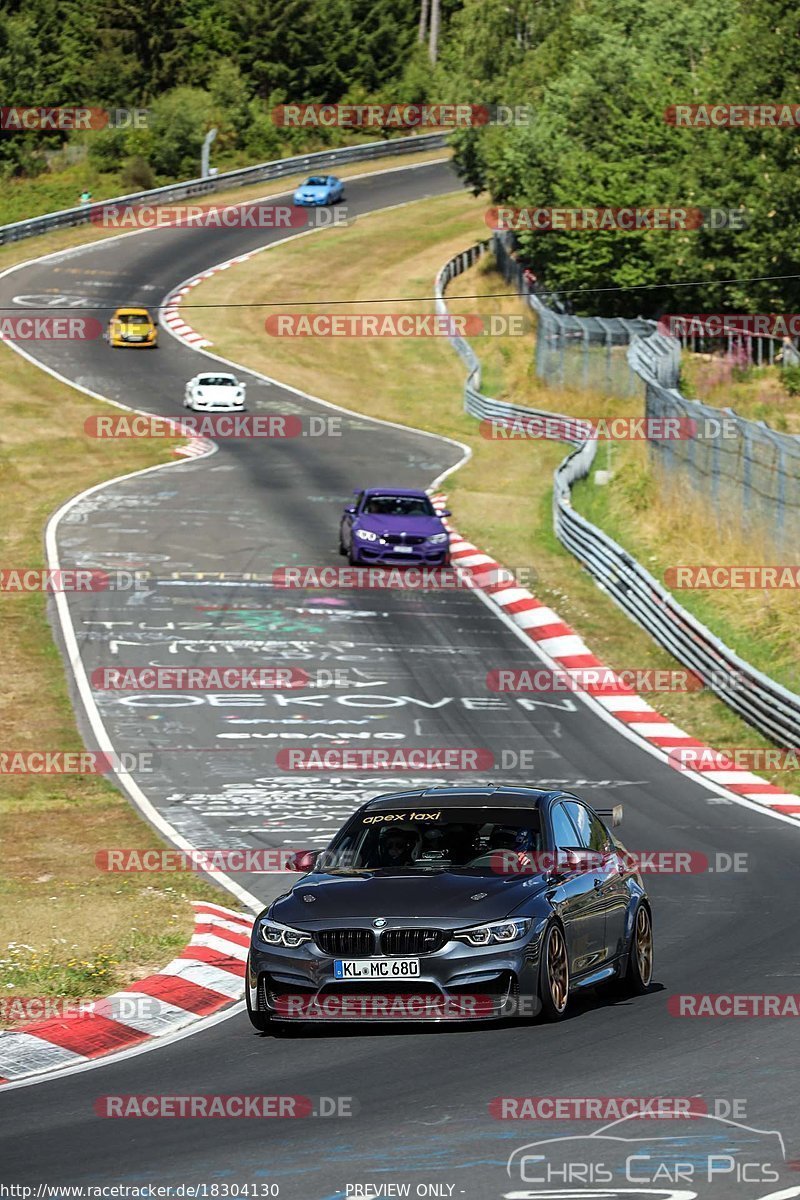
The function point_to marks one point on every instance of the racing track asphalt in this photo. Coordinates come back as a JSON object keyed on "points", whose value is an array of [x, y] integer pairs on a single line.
{"points": [[421, 1097]]}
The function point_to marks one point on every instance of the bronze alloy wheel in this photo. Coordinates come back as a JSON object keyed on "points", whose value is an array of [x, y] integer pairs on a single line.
{"points": [[557, 971], [643, 945]]}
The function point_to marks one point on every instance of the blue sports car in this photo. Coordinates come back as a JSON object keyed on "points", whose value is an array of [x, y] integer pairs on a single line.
{"points": [[319, 189], [394, 525]]}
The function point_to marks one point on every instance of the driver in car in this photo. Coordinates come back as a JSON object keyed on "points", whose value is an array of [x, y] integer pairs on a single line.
{"points": [[513, 846], [396, 848]]}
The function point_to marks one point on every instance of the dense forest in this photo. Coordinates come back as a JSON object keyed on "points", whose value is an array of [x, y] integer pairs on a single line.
{"points": [[597, 74]]}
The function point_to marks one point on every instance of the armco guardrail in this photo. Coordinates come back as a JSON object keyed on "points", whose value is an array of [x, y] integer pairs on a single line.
{"points": [[82, 215], [764, 704]]}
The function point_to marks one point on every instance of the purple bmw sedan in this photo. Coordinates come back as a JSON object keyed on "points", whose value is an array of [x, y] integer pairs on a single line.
{"points": [[394, 525]]}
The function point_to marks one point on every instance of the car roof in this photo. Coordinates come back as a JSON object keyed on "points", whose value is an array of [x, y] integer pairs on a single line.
{"points": [[215, 375], [395, 491], [133, 309], [466, 797]]}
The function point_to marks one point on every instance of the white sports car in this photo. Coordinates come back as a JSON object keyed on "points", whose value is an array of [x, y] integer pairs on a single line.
{"points": [[214, 393]]}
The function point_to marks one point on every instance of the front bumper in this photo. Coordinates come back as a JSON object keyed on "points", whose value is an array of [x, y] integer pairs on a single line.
{"points": [[311, 202], [458, 982], [127, 344], [215, 405], [371, 552]]}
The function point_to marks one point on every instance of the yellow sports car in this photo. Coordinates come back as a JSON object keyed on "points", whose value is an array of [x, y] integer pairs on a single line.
{"points": [[132, 327]]}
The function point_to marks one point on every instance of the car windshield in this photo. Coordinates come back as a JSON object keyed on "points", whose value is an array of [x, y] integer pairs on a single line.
{"points": [[425, 839], [133, 318], [216, 381], [316, 181], [399, 506]]}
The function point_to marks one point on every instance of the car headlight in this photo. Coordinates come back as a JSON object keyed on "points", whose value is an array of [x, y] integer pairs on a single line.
{"points": [[495, 933], [438, 538], [367, 535], [275, 934]]}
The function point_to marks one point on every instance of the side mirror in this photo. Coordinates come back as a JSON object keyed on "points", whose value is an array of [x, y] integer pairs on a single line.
{"points": [[303, 861], [445, 513], [351, 508], [614, 815], [574, 860], [578, 858]]}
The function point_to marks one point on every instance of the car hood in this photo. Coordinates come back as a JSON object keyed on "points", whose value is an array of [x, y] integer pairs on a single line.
{"points": [[216, 392], [415, 896], [417, 526], [313, 191], [138, 326]]}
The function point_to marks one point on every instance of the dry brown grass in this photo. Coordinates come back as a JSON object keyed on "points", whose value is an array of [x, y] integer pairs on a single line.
{"points": [[757, 394], [52, 896]]}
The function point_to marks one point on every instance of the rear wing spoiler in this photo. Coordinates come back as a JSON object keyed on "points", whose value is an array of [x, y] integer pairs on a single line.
{"points": [[614, 815]]}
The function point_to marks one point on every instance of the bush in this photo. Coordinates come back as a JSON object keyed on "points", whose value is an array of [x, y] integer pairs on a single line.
{"points": [[137, 175], [107, 148], [179, 120], [790, 378]]}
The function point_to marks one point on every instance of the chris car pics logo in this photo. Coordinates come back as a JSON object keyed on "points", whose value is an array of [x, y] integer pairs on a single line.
{"points": [[708, 1156]]}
